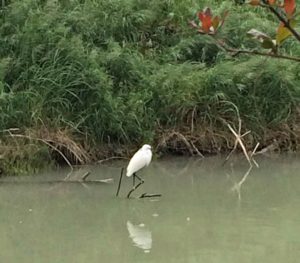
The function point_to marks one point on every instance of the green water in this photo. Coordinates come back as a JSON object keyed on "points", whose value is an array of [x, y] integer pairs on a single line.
{"points": [[197, 219]]}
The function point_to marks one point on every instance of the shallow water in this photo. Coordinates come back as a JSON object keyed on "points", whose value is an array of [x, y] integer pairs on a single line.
{"points": [[197, 219]]}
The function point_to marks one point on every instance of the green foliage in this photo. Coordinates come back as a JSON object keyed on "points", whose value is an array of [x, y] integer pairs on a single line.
{"points": [[114, 71], [264, 91]]}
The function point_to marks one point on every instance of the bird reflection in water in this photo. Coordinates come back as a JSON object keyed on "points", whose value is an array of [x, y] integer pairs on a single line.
{"points": [[140, 235]]}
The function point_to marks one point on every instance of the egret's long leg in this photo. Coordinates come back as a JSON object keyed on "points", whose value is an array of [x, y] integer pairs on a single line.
{"points": [[135, 186], [141, 180]]}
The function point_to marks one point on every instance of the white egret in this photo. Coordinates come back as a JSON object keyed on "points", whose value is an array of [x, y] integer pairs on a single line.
{"points": [[139, 160]]}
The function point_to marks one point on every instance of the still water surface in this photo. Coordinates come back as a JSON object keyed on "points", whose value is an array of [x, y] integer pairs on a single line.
{"points": [[197, 219]]}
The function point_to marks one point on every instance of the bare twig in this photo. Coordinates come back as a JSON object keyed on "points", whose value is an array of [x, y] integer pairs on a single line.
{"points": [[188, 143], [10, 130], [196, 150], [238, 139], [68, 176], [145, 195], [85, 176], [250, 159], [253, 153], [182, 137], [99, 181], [236, 52], [269, 148]]}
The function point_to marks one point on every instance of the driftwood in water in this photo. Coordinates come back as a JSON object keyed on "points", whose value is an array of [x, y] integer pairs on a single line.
{"points": [[100, 181], [67, 179], [145, 195], [83, 178]]}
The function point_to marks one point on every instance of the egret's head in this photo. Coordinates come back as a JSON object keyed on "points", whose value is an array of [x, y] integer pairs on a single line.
{"points": [[146, 147]]}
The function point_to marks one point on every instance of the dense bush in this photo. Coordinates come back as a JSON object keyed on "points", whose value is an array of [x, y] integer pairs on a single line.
{"points": [[115, 71]]}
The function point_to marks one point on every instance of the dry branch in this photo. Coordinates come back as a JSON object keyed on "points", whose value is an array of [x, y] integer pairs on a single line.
{"points": [[238, 141], [188, 143], [85, 176], [236, 52], [253, 153], [99, 181]]}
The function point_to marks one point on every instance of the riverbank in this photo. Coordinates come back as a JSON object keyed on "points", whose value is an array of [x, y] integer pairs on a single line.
{"points": [[83, 81]]}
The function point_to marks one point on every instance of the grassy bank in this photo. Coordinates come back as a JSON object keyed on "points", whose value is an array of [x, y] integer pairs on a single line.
{"points": [[91, 79]]}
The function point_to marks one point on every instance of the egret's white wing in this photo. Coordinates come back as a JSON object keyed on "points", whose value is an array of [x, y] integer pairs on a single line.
{"points": [[137, 162]]}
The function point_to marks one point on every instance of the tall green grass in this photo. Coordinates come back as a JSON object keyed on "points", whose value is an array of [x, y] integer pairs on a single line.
{"points": [[117, 71]]}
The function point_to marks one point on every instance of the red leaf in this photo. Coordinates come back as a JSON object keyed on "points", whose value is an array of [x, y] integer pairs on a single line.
{"points": [[206, 21], [208, 24], [289, 7]]}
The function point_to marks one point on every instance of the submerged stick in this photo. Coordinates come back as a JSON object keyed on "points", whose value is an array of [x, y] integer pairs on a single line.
{"points": [[101, 181], [119, 186], [135, 186], [85, 176], [145, 195]]}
